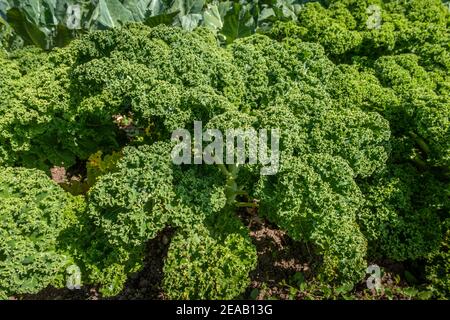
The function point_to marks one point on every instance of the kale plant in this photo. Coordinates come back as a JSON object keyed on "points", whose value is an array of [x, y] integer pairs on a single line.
{"points": [[360, 109]]}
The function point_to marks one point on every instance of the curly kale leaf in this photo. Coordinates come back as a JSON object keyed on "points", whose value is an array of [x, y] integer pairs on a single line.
{"points": [[34, 214]]}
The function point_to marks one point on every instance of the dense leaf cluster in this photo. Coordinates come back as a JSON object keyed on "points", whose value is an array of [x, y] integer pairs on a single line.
{"points": [[364, 145], [54, 23], [405, 47], [34, 214]]}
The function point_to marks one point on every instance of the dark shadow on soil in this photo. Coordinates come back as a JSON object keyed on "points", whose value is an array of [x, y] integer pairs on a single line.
{"points": [[145, 284], [279, 260], [279, 257]]}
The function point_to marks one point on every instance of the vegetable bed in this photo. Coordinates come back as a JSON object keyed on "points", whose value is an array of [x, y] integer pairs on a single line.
{"points": [[343, 192]]}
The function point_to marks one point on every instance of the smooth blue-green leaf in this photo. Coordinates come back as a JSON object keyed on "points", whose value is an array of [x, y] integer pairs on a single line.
{"points": [[4, 6], [111, 14], [156, 7], [138, 8], [190, 21], [212, 18], [238, 23], [166, 19], [28, 31], [187, 6]]}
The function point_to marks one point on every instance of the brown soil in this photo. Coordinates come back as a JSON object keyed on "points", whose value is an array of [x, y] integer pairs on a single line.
{"points": [[279, 259]]}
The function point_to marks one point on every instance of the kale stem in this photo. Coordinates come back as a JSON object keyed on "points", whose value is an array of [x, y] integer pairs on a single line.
{"points": [[419, 162], [246, 204], [224, 170], [420, 142], [241, 193]]}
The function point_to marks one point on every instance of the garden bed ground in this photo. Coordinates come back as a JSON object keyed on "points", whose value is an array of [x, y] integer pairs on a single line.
{"points": [[280, 260]]}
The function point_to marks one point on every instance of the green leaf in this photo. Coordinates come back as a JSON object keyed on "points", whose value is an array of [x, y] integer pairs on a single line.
{"points": [[63, 36], [156, 7], [425, 295], [166, 19], [4, 6], [190, 21], [388, 293], [186, 7], [254, 294], [290, 9], [344, 288], [238, 23], [410, 292], [303, 286], [139, 8], [111, 14], [266, 14], [28, 31], [212, 18], [410, 278], [61, 9], [292, 293], [298, 278], [32, 10], [28, 260], [47, 14]]}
